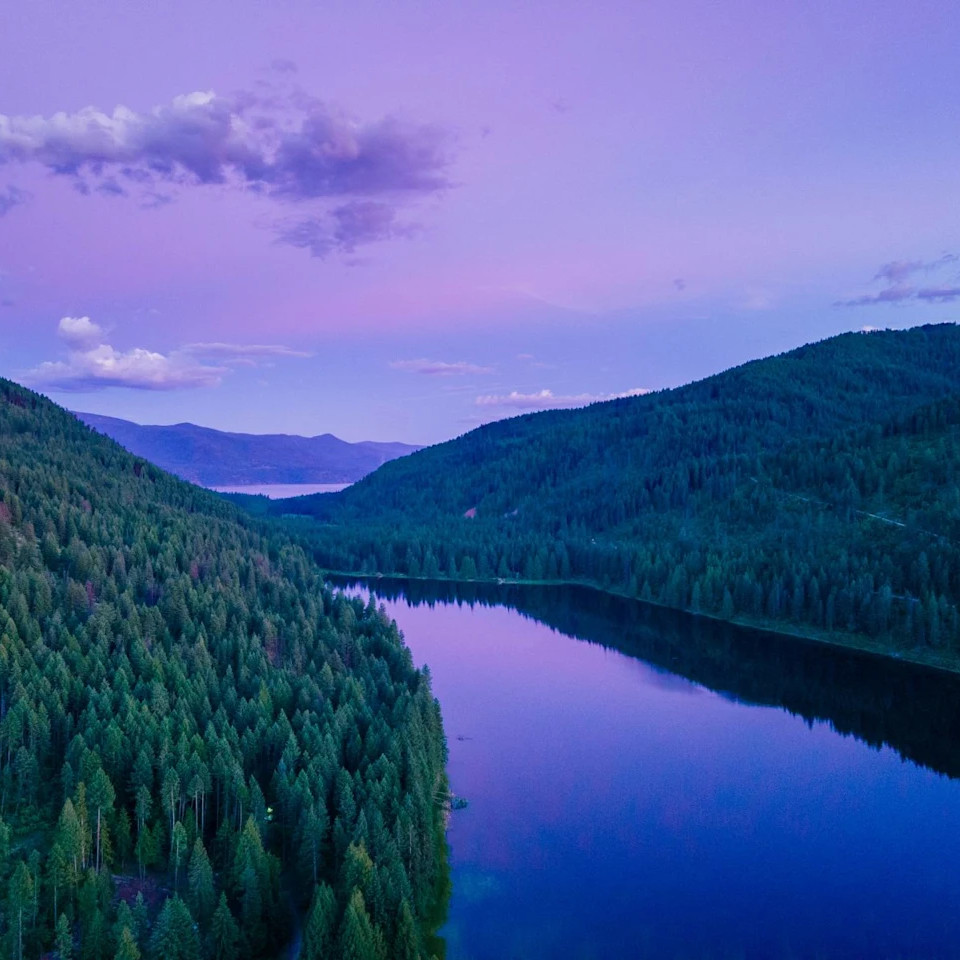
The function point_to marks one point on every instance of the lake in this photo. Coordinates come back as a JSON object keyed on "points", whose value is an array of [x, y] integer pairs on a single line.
{"points": [[279, 491], [647, 784]]}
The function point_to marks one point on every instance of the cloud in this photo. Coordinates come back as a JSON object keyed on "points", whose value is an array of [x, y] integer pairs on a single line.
{"points": [[290, 147], [938, 294], [530, 359], [896, 273], [547, 400], [344, 228], [757, 299], [282, 65], [440, 368], [12, 197], [79, 332], [894, 294], [92, 364], [242, 350], [102, 366], [679, 284]]}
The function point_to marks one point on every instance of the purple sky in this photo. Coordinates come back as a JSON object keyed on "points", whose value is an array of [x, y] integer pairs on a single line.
{"points": [[395, 221]]}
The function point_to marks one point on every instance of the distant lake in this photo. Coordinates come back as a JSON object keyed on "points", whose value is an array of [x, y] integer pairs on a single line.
{"points": [[647, 784], [279, 491]]}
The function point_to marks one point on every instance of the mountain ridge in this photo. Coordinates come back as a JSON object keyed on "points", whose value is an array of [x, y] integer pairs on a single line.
{"points": [[213, 457]]}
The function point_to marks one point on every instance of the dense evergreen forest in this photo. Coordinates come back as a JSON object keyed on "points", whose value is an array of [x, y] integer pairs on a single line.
{"points": [[816, 491], [204, 752]]}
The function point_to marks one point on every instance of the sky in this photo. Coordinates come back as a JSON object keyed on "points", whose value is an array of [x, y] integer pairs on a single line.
{"points": [[395, 221]]}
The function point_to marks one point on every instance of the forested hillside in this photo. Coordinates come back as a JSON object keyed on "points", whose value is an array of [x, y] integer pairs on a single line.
{"points": [[818, 490], [204, 753]]}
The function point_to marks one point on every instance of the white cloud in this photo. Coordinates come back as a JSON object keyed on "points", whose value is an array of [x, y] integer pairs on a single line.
{"points": [[440, 368], [548, 400], [79, 331], [92, 364], [102, 366]]}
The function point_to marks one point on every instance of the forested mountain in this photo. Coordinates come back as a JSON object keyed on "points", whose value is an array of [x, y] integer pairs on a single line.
{"points": [[204, 753], [817, 490], [216, 458]]}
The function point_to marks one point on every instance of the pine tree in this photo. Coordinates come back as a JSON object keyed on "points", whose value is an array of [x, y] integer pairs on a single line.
{"points": [[141, 918], [320, 931], [127, 948], [178, 852], [58, 874], [174, 936], [406, 942], [100, 796], [224, 932], [359, 938], [202, 894], [20, 905], [64, 938]]}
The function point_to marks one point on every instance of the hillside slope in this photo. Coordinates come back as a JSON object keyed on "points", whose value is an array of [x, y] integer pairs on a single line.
{"points": [[188, 713], [816, 489], [217, 458]]}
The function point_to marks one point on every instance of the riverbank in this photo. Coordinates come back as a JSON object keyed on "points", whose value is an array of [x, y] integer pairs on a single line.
{"points": [[930, 659]]}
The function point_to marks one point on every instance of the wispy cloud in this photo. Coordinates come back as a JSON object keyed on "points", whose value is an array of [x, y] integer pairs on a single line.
{"points": [[281, 65], [897, 275], [895, 294], [344, 228], [93, 364], [548, 400], [351, 176], [12, 197], [943, 294], [440, 368], [532, 361], [756, 298], [896, 271], [244, 350]]}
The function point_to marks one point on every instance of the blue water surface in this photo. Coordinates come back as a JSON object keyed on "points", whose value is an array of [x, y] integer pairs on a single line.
{"points": [[618, 809]]}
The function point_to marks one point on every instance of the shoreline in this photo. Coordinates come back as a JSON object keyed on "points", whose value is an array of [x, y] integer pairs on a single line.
{"points": [[853, 642]]}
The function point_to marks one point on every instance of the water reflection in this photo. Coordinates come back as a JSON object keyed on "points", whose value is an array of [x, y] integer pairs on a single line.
{"points": [[911, 708], [647, 784]]}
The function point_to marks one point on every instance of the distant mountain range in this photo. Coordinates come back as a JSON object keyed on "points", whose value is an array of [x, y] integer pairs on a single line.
{"points": [[214, 458]]}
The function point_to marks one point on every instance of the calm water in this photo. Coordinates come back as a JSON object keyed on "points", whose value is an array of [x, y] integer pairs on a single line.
{"points": [[278, 491], [643, 784]]}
